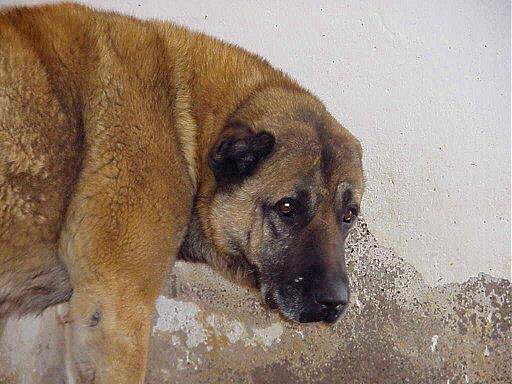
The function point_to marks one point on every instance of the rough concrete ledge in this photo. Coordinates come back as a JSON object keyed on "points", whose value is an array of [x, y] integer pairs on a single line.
{"points": [[398, 330]]}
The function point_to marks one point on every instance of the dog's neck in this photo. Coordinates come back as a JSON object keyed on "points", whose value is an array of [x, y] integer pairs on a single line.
{"points": [[197, 248]]}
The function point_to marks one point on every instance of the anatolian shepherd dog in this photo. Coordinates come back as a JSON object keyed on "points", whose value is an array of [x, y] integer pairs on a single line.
{"points": [[126, 144]]}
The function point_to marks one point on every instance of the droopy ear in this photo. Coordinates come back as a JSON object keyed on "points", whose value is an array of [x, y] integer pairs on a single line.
{"points": [[237, 153]]}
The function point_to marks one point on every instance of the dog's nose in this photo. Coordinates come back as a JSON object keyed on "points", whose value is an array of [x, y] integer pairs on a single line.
{"points": [[332, 304], [333, 301], [333, 294]]}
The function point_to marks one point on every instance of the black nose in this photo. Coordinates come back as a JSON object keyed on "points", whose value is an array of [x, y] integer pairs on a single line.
{"points": [[332, 304], [333, 294], [333, 300]]}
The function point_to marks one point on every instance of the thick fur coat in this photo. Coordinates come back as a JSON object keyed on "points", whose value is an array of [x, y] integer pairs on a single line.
{"points": [[123, 141]]}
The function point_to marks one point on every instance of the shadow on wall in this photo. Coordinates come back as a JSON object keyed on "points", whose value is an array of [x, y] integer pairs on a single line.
{"points": [[398, 330]]}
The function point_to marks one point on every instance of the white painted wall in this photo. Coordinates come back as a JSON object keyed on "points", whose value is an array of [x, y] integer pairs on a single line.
{"points": [[424, 84]]}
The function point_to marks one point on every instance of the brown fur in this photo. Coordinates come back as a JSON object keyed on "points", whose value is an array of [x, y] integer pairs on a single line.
{"points": [[106, 125]]}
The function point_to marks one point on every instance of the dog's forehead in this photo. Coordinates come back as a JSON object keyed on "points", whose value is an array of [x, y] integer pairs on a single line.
{"points": [[318, 151], [341, 152]]}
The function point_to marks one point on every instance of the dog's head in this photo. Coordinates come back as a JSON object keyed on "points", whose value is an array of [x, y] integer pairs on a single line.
{"points": [[288, 187]]}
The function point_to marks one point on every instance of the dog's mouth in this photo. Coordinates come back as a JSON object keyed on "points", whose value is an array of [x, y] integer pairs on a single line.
{"points": [[294, 302], [296, 308], [267, 293], [270, 300]]}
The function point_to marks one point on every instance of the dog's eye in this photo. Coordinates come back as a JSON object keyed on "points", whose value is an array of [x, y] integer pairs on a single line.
{"points": [[286, 207], [349, 215]]}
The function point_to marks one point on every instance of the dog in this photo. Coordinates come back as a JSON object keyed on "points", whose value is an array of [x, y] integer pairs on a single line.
{"points": [[127, 144]]}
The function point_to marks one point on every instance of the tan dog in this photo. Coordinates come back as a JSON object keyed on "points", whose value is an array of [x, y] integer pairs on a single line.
{"points": [[125, 144]]}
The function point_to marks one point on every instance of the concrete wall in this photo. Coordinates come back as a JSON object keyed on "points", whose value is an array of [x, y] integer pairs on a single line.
{"points": [[426, 86]]}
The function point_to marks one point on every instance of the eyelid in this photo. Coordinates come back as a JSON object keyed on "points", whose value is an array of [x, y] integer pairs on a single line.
{"points": [[355, 207], [288, 199]]}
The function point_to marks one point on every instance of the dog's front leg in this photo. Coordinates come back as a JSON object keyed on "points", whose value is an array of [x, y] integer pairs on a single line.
{"points": [[107, 345], [120, 237]]}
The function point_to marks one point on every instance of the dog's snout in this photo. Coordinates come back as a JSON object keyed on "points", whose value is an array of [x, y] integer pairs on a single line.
{"points": [[332, 303], [324, 294], [333, 299], [334, 295]]}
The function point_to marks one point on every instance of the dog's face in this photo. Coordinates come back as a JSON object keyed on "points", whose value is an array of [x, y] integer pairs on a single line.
{"points": [[289, 186]]}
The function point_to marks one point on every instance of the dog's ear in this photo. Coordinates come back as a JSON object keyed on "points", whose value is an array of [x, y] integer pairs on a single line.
{"points": [[237, 152]]}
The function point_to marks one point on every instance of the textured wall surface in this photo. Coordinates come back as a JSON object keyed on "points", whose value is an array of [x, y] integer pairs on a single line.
{"points": [[426, 87]]}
